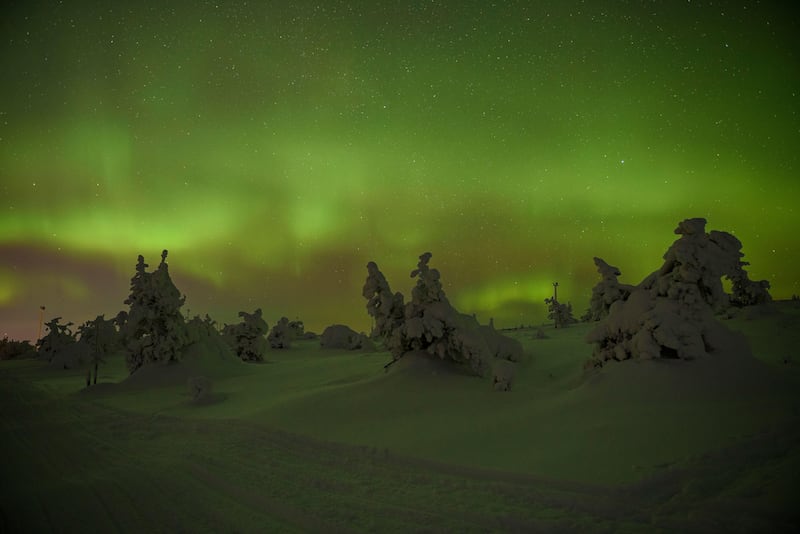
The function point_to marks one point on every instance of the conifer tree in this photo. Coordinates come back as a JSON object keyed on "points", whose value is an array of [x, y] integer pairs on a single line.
{"points": [[247, 338], [155, 330], [281, 335], [97, 337], [386, 308], [672, 312], [560, 314], [429, 323], [58, 337]]}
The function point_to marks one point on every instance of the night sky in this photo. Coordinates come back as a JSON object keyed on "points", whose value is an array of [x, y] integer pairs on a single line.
{"points": [[274, 148]]}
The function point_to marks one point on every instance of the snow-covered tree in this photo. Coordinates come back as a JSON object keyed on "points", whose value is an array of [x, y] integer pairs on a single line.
{"points": [[200, 329], [297, 328], [670, 314], [281, 335], [247, 338], [746, 292], [98, 337], [560, 314], [13, 349], [429, 323], [58, 338], [386, 308], [155, 330], [606, 292]]}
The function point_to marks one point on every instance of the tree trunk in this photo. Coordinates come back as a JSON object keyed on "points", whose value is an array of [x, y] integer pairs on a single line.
{"points": [[386, 367]]}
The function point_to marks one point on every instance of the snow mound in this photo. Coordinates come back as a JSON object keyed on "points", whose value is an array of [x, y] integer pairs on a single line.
{"points": [[210, 357]]}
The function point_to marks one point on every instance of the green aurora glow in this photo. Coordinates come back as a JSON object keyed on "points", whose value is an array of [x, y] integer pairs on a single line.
{"points": [[275, 150]]}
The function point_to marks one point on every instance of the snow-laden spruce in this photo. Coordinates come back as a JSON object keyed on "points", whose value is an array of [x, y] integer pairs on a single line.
{"points": [[671, 313], [431, 325], [155, 330]]}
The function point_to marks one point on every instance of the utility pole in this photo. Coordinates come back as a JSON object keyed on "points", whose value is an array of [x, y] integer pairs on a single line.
{"points": [[96, 346], [556, 311], [41, 321]]}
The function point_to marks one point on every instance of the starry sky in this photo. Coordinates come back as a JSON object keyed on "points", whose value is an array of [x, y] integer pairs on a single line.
{"points": [[274, 148]]}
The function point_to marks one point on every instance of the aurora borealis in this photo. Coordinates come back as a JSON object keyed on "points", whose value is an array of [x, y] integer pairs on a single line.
{"points": [[274, 148]]}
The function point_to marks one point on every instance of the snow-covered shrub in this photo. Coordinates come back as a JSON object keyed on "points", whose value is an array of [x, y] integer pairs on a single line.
{"points": [[247, 337], [503, 374], [746, 292], [200, 388]]}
